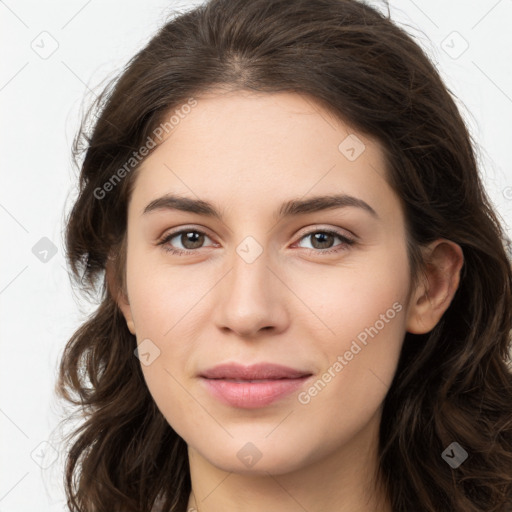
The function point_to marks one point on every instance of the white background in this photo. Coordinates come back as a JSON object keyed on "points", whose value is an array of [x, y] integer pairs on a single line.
{"points": [[41, 101]]}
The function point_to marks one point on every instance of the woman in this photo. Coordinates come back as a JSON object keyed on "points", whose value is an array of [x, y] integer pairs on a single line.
{"points": [[306, 299]]}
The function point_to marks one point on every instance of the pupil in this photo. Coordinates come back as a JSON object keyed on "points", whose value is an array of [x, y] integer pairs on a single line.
{"points": [[189, 238], [318, 238]]}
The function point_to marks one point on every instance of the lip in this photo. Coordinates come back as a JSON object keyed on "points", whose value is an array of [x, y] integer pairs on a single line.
{"points": [[258, 371], [253, 386]]}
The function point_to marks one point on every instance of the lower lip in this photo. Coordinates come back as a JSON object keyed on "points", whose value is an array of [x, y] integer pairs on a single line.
{"points": [[251, 395]]}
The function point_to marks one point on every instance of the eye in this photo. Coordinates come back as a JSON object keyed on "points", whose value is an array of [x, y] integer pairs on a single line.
{"points": [[322, 240], [189, 238]]}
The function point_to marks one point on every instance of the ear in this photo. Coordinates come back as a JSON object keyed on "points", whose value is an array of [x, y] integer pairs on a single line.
{"points": [[433, 295], [118, 294]]}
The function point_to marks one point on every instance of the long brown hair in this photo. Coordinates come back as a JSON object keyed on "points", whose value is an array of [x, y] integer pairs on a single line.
{"points": [[453, 384]]}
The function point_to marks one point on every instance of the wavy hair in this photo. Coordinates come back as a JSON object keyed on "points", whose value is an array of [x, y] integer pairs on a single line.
{"points": [[453, 384]]}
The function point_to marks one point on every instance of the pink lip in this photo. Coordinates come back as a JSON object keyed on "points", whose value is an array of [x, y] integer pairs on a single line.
{"points": [[254, 386]]}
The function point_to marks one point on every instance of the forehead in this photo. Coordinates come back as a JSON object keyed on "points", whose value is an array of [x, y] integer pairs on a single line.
{"points": [[251, 148]]}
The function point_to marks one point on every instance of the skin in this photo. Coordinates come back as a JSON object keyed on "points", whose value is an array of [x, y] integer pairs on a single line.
{"points": [[248, 153]]}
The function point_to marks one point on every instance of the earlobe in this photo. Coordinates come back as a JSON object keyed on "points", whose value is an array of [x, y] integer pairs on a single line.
{"points": [[124, 306], [131, 326], [118, 295], [434, 294]]}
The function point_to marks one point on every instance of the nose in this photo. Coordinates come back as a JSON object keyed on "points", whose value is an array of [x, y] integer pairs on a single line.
{"points": [[251, 299]]}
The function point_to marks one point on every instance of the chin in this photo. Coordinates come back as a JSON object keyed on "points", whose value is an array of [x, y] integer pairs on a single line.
{"points": [[258, 457]]}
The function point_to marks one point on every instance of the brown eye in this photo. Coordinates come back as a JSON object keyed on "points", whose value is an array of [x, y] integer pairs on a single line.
{"points": [[190, 239], [322, 240]]}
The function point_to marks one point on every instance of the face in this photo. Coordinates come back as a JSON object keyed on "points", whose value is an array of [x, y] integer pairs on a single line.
{"points": [[321, 290]]}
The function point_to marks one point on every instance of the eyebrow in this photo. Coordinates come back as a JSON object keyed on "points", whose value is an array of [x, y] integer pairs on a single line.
{"points": [[289, 208]]}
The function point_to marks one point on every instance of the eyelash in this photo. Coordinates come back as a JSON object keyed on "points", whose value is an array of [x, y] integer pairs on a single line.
{"points": [[346, 242]]}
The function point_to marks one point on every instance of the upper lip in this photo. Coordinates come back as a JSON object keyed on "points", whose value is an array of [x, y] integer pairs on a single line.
{"points": [[253, 372]]}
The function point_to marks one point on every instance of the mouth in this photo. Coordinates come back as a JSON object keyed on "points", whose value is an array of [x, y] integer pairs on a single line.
{"points": [[260, 371], [255, 386], [254, 380]]}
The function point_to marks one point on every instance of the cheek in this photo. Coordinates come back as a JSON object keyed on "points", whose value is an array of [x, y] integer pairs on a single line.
{"points": [[162, 296], [364, 327], [348, 300], [359, 356], [162, 301], [165, 309], [163, 320]]}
